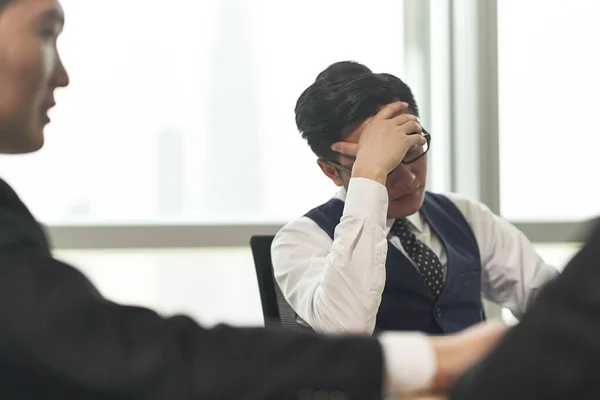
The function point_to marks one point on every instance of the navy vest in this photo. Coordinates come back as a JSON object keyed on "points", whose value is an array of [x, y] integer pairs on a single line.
{"points": [[407, 303]]}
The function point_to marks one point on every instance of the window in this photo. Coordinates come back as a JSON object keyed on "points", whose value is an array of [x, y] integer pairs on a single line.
{"points": [[548, 84], [212, 285], [557, 254], [185, 113]]}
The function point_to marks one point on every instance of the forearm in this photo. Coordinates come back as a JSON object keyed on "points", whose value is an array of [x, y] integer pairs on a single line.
{"points": [[349, 294], [339, 291]]}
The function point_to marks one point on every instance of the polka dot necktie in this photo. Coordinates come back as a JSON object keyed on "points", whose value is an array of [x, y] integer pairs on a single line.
{"points": [[429, 264]]}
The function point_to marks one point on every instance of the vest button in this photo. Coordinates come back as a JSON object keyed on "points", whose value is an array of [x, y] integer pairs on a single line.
{"points": [[438, 312]]}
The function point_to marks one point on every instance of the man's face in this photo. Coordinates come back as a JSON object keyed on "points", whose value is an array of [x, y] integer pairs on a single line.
{"points": [[30, 71], [405, 184]]}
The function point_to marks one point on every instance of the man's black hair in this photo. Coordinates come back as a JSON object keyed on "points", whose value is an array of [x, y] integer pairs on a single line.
{"points": [[342, 97]]}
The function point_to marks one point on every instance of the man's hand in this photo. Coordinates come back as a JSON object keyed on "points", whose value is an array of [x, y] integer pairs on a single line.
{"points": [[383, 143], [456, 353], [453, 355]]}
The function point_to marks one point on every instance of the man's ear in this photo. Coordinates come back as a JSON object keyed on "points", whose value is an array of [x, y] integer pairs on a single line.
{"points": [[330, 172]]}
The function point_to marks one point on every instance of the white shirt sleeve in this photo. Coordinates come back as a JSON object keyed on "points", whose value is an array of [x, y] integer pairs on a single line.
{"points": [[512, 271], [409, 360], [336, 286]]}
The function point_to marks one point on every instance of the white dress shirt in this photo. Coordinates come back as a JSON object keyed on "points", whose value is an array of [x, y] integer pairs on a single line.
{"points": [[336, 285], [410, 362]]}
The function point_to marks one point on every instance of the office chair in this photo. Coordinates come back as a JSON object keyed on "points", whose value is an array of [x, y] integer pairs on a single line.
{"points": [[276, 310]]}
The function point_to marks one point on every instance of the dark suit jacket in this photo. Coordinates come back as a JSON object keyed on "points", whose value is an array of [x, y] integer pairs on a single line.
{"points": [[554, 353], [59, 338]]}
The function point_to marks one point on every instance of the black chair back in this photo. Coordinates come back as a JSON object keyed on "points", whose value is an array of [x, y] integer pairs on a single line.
{"points": [[276, 310]]}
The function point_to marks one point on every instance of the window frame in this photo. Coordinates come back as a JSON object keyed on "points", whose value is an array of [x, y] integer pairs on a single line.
{"points": [[476, 154]]}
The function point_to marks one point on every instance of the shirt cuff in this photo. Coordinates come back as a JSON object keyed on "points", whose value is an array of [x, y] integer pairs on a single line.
{"points": [[367, 199], [409, 360]]}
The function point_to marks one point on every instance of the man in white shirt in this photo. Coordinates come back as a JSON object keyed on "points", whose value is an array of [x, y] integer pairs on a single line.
{"points": [[384, 254]]}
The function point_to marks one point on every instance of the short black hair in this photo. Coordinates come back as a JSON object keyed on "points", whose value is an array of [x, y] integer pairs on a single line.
{"points": [[342, 97]]}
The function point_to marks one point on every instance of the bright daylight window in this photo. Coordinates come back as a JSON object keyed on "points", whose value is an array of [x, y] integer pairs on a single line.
{"points": [[185, 113], [548, 82]]}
